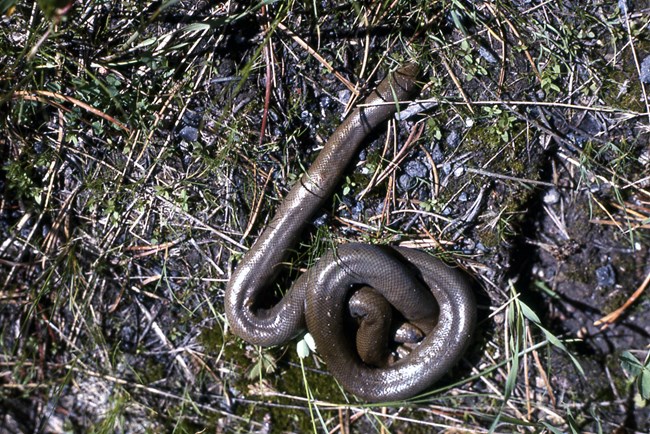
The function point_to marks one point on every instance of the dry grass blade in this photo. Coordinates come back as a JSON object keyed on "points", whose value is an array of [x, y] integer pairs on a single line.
{"points": [[44, 97]]}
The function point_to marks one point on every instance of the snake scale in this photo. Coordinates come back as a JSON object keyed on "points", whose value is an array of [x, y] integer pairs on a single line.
{"points": [[426, 292]]}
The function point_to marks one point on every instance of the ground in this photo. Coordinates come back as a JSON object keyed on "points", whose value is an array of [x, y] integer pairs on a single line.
{"points": [[145, 146]]}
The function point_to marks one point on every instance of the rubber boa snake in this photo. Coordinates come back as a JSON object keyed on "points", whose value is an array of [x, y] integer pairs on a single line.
{"points": [[317, 301]]}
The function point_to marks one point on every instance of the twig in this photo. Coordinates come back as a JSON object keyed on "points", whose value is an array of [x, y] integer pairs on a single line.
{"points": [[256, 209], [510, 178], [42, 96], [268, 57], [609, 319]]}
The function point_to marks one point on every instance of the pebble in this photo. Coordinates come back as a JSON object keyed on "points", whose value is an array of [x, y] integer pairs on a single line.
{"points": [[325, 102], [357, 209], [306, 117], [645, 70], [405, 182], [605, 276], [551, 197], [436, 153], [453, 139], [189, 134], [321, 220], [416, 169], [487, 54], [191, 117]]}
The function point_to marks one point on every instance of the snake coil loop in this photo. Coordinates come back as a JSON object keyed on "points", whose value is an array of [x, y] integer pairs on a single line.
{"points": [[424, 290]]}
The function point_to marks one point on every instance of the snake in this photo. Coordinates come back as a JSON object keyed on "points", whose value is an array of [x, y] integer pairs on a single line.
{"points": [[354, 285]]}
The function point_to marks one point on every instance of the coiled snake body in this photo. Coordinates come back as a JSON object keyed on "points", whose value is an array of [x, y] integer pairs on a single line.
{"points": [[425, 291]]}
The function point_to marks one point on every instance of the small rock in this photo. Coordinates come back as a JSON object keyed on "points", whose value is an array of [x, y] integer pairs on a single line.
{"points": [[436, 153], [357, 209], [487, 54], [344, 95], [551, 197], [645, 70], [579, 141], [594, 188], [306, 117], [644, 158], [192, 118], [363, 155], [405, 182], [453, 139], [415, 169], [320, 220], [325, 101], [38, 147], [189, 134], [128, 338], [468, 246], [605, 276]]}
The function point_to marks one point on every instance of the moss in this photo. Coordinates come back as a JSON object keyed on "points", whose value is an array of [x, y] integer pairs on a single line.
{"points": [[288, 378], [617, 376], [613, 299], [153, 371], [619, 86], [488, 237], [212, 339], [186, 426]]}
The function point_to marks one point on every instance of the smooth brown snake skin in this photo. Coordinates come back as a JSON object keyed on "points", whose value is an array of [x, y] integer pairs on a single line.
{"points": [[318, 299]]}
